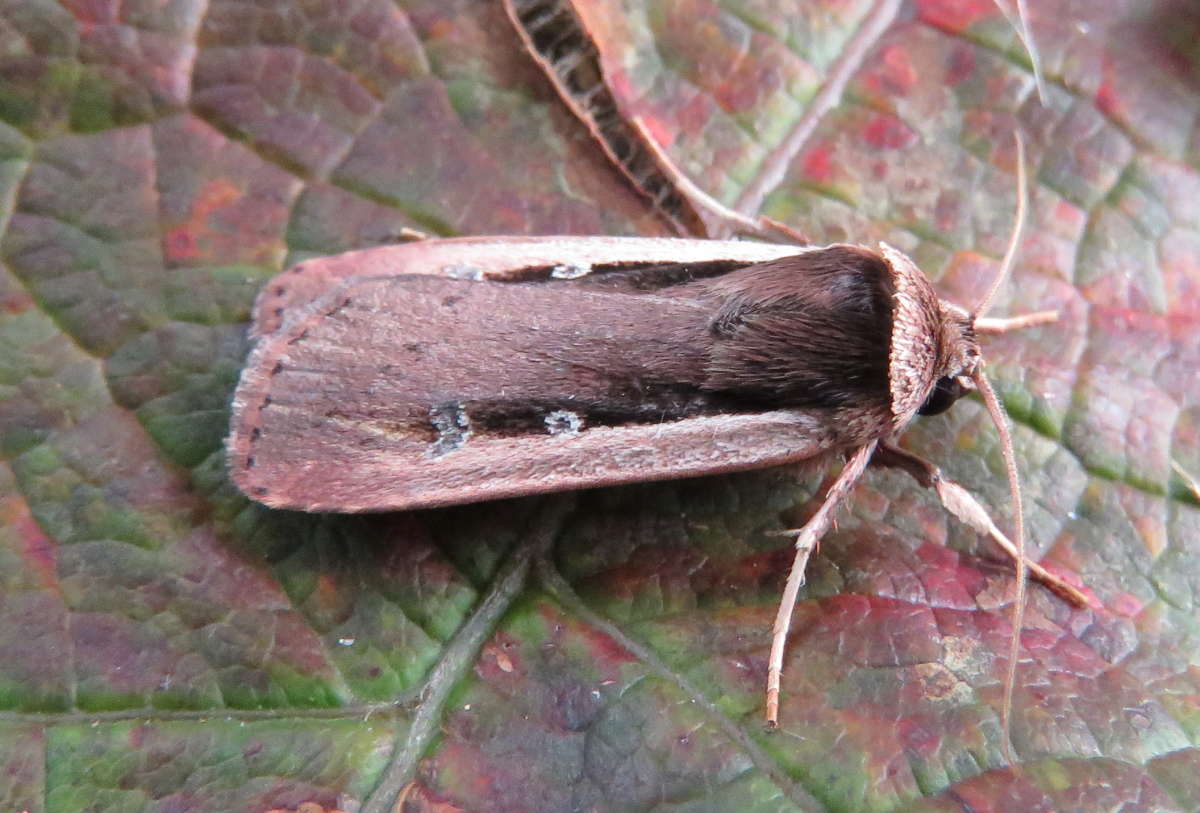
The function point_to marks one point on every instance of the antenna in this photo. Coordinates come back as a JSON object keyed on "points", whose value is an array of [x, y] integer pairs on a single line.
{"points": [[1014, 240], [1018, 617], [996, 410], [1020, 22]]}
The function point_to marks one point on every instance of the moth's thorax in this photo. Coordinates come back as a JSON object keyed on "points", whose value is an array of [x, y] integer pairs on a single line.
{"points": [[810, 331]]}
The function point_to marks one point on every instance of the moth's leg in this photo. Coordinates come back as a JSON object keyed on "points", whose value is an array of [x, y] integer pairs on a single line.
{"points": [[917, 467], [410, 235], [726, 219], [807, 539], [959, 502], [1193, 485], [992, 325]]}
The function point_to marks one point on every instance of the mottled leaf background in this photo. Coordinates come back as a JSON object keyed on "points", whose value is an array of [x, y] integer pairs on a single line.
{"points": [[167, 646]]}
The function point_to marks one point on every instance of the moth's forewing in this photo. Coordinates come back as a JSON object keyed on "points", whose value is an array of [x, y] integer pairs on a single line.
{"points": [[351, 469], [288, 293], [361, 400]]}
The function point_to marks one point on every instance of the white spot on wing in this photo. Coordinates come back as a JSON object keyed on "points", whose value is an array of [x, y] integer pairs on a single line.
{"points": [[453, 426], [461, 271], [570, 271], [564, 422]]}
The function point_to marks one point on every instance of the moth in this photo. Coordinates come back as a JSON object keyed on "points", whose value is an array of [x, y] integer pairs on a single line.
{"points": [[460, 370]]}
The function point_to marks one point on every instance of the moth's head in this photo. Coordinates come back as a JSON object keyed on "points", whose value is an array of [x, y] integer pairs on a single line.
{"points": [[934, 353]]}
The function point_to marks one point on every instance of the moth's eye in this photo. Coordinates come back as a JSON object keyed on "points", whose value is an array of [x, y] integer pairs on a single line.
{"points": [[945, 392]]}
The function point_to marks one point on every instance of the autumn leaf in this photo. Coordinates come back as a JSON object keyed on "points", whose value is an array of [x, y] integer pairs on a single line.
{"points": [[166, 644]]}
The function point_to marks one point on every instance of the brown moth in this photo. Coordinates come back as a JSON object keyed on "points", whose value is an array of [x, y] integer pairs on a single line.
{"points": [[454, 371]]}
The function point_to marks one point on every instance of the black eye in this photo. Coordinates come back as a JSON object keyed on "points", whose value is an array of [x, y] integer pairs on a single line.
{"points": [[945, 392]]}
